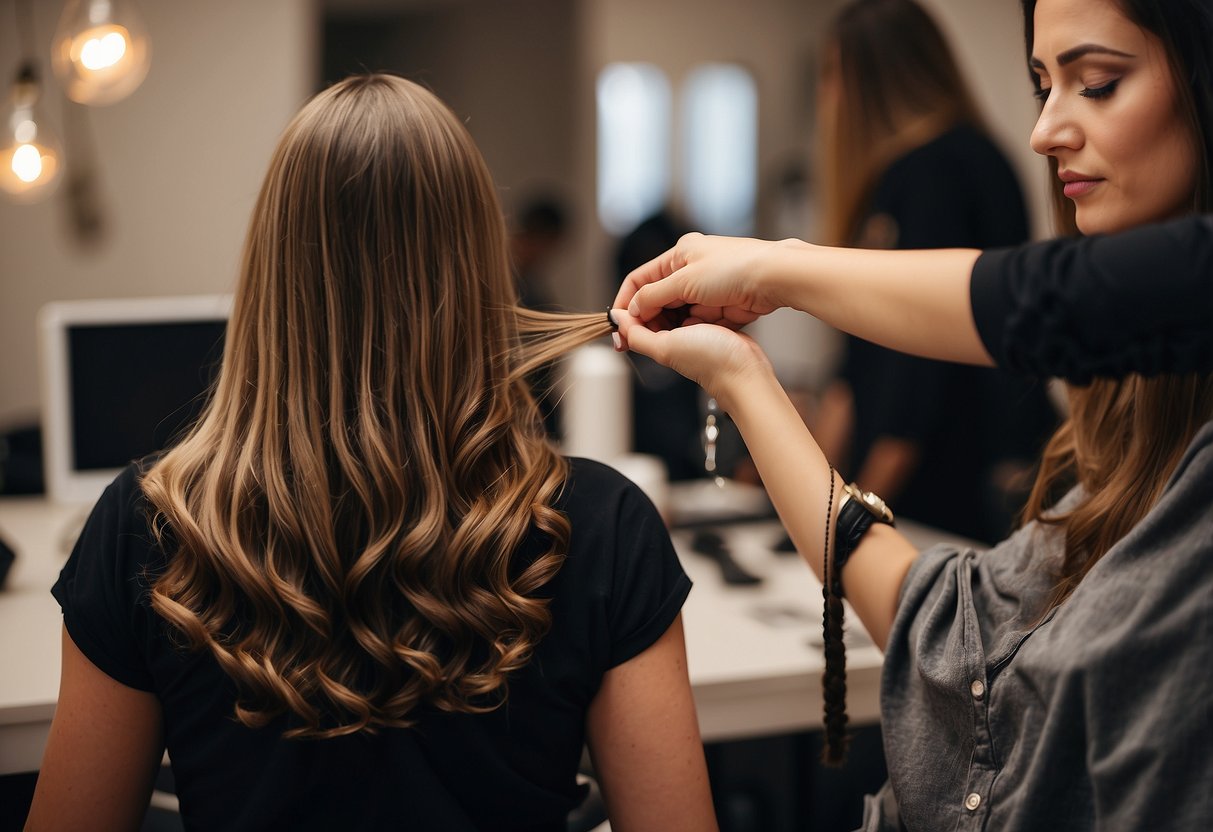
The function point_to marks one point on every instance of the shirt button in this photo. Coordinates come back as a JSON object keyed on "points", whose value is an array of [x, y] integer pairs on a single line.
{"points": [[973, 801], [978, 688]]}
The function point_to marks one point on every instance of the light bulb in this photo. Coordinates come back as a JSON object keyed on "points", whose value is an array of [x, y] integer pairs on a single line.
{"points": [[101, 51], [30, 156]]}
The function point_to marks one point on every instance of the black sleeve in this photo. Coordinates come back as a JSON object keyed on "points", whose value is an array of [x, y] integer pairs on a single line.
{"points": [[1136, 302], [102, 588], [649, 585]]}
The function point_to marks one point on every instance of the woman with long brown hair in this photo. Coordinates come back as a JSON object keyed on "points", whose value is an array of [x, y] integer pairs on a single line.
{"points": [[365, 592], [908, 164], [1061, 679]]}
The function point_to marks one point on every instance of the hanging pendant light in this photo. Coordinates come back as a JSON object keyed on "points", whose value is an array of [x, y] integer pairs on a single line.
{"points": [[101, 51], [31, 155]]}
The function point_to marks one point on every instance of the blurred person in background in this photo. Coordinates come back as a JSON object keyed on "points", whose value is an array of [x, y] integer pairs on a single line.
{"points": [[907, 164]]}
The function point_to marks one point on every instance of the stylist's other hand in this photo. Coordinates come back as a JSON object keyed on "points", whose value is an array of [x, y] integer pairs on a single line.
{"points": [[718, 359], [718, 280]]}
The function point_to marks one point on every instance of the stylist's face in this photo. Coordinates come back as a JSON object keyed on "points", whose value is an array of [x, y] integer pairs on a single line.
{"points": [[1111, 116]]}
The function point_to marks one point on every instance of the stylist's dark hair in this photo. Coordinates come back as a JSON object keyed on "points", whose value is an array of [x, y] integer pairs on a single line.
{"points": [[1124, 437], [1185, 28]]}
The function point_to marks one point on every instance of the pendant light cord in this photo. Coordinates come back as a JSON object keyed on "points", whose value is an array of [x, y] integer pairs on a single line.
{"points": [[23, 10]]}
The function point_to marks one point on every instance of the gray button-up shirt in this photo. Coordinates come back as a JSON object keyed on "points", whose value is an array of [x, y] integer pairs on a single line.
{"points": [[1098, 715]]}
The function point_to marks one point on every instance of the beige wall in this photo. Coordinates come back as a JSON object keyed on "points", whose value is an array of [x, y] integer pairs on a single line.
{"points": [[180, 162], [507, 68]]}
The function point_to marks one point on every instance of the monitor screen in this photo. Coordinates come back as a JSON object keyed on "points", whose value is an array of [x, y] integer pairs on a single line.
{"points": [[135, 387], [122, 379]]}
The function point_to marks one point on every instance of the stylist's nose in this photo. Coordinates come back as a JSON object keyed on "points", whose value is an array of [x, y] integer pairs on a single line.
{"points": [[1055, 130]]}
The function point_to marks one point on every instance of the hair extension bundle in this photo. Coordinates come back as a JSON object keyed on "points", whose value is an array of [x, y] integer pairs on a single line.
{"points": [[834, 678]]}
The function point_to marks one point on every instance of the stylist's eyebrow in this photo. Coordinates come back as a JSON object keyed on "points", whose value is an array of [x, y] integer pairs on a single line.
{"points": [[1072, 55]]}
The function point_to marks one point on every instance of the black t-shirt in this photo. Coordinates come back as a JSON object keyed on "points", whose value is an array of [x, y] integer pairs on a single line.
{"points": [[957, 190], [617, 592]]}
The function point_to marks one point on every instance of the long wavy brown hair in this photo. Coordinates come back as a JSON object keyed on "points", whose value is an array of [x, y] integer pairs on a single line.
{"points": [[898, 86], [1124, 437], [343, 524]]}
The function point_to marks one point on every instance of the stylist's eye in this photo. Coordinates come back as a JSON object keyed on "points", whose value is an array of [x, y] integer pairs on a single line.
{"points": [[1102, 91]]}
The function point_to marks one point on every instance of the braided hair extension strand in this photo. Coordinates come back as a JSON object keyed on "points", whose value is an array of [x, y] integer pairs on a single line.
{"points": [[834, 678]]}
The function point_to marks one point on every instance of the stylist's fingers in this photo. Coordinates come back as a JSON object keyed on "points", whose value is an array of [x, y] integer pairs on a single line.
{"points": [[656, 270], [659, 268], [635, 334], [732, 317], [668, 293], [674, 346], [711, 356]]}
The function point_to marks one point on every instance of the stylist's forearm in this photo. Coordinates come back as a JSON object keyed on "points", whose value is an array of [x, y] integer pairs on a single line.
{"points": [[796, 476], [911, 301]]}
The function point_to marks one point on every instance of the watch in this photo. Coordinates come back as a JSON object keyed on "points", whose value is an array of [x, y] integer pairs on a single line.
{"points": [[857, 511]]}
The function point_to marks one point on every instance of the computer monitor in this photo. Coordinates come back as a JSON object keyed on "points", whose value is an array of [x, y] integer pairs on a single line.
{"points": [[121, 378]]}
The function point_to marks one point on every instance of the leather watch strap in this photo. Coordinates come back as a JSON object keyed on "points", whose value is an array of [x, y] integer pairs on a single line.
{"points": [[855, 517]]}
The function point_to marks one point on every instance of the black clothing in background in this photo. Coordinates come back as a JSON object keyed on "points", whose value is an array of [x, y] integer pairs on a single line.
{"points": [[1136, 302], [514, 768], [958, 190]]}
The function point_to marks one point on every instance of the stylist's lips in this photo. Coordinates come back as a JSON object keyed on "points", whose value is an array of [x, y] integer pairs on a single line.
{"points": [[1077, 184]]}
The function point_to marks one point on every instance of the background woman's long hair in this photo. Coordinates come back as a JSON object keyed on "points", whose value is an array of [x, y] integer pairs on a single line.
{"points": [[898, 86], [343, 522], [1124, 437]]}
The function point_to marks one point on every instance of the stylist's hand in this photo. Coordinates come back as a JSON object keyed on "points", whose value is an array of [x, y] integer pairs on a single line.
{"points": [[718, 359], [717, 280]]}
